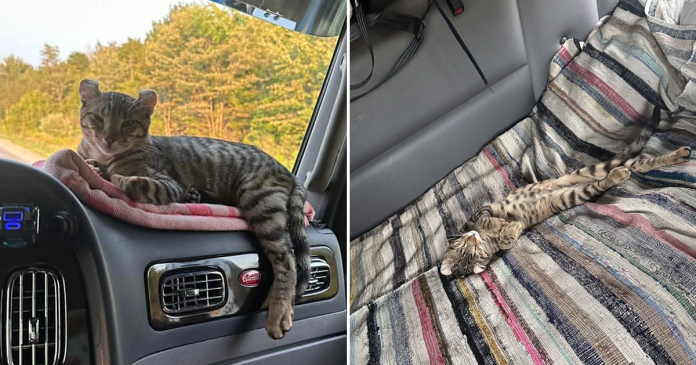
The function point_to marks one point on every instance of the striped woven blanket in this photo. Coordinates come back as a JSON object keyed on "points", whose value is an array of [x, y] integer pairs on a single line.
{"points": [[72, 170], [607, 282]]}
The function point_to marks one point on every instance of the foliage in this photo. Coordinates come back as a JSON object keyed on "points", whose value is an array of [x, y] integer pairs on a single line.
{"points": [[217, 73]]}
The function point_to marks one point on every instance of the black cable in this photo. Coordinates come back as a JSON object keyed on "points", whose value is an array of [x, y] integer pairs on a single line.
{"points": [[360, 17], [405, 56], [461, 42]]}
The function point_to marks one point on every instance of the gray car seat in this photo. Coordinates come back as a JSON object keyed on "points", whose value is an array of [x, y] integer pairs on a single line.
{"points": [[436, 113]]}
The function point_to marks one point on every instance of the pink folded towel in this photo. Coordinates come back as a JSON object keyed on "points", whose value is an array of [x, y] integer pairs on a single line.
{"points": [[68, 167]]}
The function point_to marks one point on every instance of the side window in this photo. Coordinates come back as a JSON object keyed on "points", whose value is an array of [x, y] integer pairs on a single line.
{"points": [[218, 73]]}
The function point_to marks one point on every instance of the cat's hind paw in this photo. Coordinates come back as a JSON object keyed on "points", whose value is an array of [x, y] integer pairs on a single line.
{"points": [[682, 154], [618, 175], [193, 196], [279, 320]]}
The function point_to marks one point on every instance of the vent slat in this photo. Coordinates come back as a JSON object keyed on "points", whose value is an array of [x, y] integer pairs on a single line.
{"points": [[201, 290], [170, 285], [192, 291], [25, 297], [320, 277], [38, 346], [196, 300], [35, 311]]}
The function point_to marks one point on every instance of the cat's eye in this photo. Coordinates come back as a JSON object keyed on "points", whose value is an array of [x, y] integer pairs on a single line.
{"points": [[129, 124]]}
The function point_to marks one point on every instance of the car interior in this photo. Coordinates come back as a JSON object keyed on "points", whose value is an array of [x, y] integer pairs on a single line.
{"points": [[401, 146], [435, 143], [81, 287], [453, 105]]}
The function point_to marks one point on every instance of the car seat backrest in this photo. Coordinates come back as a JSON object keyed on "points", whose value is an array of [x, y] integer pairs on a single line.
{"points": [[436, 113]]}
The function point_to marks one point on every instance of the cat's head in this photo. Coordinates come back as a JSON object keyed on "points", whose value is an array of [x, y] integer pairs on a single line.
{"points": [[466, 255], [114, 122]]}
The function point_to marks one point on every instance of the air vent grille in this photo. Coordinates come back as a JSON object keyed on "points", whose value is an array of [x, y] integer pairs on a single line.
{"points": [[320, 277], [193, 291], [35, 318]]}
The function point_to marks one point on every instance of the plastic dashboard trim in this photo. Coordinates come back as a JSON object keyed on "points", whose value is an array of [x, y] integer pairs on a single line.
{"points": [[113, 255]]}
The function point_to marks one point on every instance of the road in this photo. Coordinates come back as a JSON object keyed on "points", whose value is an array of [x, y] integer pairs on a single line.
{"points": [[12, 151]]}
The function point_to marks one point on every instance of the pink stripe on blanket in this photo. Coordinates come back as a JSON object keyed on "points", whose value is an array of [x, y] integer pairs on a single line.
{"points": [[199, 209], [69, 168], [638, 221], [233, 211], [565, 55], [608, 91], [500, 169], [431, 343], [512, 321]]}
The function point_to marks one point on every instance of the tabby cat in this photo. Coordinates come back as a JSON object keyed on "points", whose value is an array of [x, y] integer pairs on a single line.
{"points": [[163, 170], [498, 226]]}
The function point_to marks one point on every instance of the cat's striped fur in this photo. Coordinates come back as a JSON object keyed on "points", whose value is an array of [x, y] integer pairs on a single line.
{"points": [[163, 170], [498, 226]]}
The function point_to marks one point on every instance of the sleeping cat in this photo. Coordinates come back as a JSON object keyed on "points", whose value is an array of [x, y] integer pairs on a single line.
{"points": [[498, 226], [163, 170]]}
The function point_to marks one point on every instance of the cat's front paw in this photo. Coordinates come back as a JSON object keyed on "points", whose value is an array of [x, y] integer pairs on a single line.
{"points": [[96, 167], [137, 188], [509, 234], [120, 181], [514, 228]]}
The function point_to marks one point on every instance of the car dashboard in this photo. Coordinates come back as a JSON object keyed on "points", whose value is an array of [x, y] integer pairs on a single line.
{"points": [[80, 287]]}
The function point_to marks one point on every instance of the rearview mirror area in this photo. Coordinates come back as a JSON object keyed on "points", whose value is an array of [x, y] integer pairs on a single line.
{"points": [[321, 18]]}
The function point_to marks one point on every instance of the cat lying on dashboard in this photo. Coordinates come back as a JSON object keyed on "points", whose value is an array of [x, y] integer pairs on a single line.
{"points": [[162, 170]]}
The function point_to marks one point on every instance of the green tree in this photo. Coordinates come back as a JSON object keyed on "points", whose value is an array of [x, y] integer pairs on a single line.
{"points": [[24, 116], [130, 56], [54, 74], [78, 63], [14, 82]]}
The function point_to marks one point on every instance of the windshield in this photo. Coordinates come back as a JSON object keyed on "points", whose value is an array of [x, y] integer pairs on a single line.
{"points": [[217, 72]]}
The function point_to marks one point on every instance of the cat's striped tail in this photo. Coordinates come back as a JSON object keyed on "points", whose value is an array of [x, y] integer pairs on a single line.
{"points": [[298, 235], [634, 147]]}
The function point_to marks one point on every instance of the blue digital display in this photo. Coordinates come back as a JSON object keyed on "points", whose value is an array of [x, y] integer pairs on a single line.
{"points": [[12, 226], [13, 216]]}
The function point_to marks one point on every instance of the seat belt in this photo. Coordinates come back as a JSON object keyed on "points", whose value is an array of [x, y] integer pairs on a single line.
{"points": [[394, 20], [461, 42]]}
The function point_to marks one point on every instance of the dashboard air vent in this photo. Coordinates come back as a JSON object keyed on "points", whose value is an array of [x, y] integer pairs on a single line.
{"points": [[35, 318], [193, 291], [320, 277]]}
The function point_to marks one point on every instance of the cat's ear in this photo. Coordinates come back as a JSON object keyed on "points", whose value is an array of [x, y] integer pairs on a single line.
{"points": [[89, 90], [479, 268], [147, 100], [446, 267]]}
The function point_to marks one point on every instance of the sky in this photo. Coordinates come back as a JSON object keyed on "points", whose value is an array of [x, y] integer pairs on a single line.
{"points": [[74, 25]]}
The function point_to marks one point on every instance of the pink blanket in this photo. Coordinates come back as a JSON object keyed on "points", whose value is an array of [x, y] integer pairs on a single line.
{"points": [[68, 167]]}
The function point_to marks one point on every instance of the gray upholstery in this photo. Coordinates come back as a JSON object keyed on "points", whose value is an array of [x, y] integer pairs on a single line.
{"points": [[436, 113]]}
